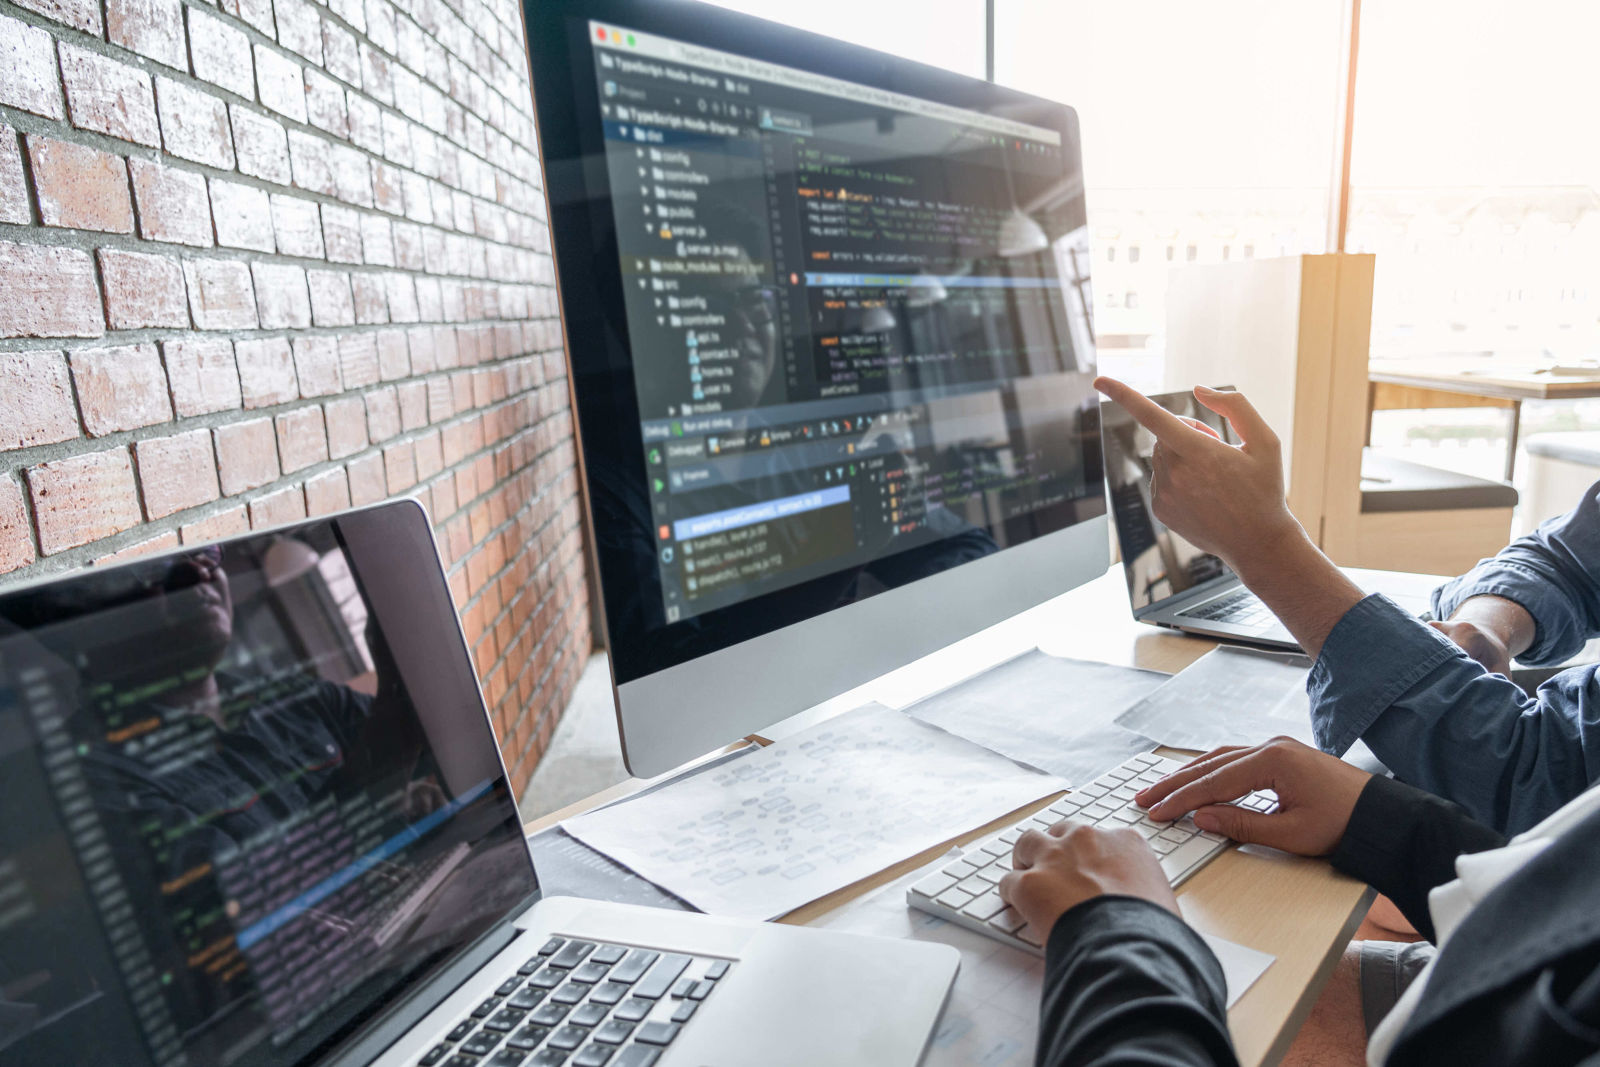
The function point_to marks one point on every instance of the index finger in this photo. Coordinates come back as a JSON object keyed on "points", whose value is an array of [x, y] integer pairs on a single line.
{"points": [[1167, 427], [1158, 790], [1228, 782]]}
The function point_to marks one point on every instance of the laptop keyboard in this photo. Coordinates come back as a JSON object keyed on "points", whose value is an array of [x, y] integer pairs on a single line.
{"points": [[1242, 608], [582, 1004], [965, 893]]}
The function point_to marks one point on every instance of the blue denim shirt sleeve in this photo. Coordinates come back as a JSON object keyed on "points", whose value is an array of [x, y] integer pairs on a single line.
{"points": [[1442, 723], [1553, 572]]}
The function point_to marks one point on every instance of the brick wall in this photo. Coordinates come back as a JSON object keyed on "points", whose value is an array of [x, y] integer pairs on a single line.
{"points": [[270, 259]]}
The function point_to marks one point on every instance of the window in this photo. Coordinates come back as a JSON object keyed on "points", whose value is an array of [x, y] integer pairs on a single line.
{"points": [[1192, 144]]}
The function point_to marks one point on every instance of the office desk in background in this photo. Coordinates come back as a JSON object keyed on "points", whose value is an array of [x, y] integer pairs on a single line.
{"points": [[1408, 384], [1299, 910]]}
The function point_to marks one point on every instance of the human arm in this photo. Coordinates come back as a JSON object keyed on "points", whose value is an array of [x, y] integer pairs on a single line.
{"points": [[1400, 840], [1540, 595], [1126, 980]]}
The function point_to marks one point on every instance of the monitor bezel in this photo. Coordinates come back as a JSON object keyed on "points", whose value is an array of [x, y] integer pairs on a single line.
{"points": [[607, 417]]}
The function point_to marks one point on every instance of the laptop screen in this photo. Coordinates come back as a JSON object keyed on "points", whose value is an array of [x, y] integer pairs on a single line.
{"points": [[1157, 562], [248, 797]]}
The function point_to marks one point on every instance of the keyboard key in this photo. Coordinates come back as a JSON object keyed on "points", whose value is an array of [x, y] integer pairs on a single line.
{"points": [[683, 987], [992, 874], [974, 885], [486, 1009], [552, 946], [568, 1038], [614, 1032], [1175, 834], [1186, 856], [701, 990], [637, 1056], [936, 883], [528, 1037], [504, 1022], [593, 1056], [462, 1061], [717, 969], [994, 848], [533, 964], [526, 999], [661, 976], [509, 986], [1008, 921], [548, 1057], [571, 954], [632, 1010], [507, 1057], [1090, 791], [657, 1033], [1011, 835], [984, 907], [589, 973], [434, 1055], [1161, 845], [608, 954], [1031, 936], [630, 969], [548, 1014], [608, 993], [570, 993], [954, 898], [684, 1012], [462, 1029], [481, 1043], [548, 978], [1144, 829], [587, 1014], [959, 869], [1127, 816]]}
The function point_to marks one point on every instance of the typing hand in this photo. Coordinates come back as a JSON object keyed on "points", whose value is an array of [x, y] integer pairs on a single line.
{"points": [[1316, 794], [1227, 499], [1056, 871]]}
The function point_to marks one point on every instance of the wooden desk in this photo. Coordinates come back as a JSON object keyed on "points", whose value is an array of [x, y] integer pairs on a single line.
{"points": [[1297, 909], [1400, 384]]}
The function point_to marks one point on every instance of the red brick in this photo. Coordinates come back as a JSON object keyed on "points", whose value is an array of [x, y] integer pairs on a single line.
{"points": [[153, 28], [347, 426], [247, 455], [221, 54], [83, 499], [308, 159], [202, 375], [176, 472], [409, 253], [341, 230], [28, 78], [80, 187], [316, 364], [325, 107], [326, 493], [368, 483], [383, 415], [376, 78], [358, 360], [299, 29], [109, 97], [142, 290], [173, 205], [400, 293], [413, 405], [377, 240], [49, 292], [297, 225], [13, 188], [257, 13], [16, 536], [194, 125], [266, 372], [277, 509], [366, 121], [400, 467], [340, 55], [120, 388], [80, 14], [302, 441], [281, 296], [243, 216], [262, 144], [281, 83], [36, 405], [331, 301], [430, 459], [165, 542], [220, 295], [372, 303], [394, 360], [229, 523]]}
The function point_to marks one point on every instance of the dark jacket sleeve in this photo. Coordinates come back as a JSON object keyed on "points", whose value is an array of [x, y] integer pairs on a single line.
{"points": [[1403, 842], [1129, 983]]}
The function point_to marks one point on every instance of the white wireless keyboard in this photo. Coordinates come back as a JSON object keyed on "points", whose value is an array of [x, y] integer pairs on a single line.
{"points": [[964, 891]]}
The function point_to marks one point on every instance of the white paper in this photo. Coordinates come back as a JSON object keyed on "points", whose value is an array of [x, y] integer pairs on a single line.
{"points": [[1229, 696], [764, 834], [1048, 712], [992, 1016]]}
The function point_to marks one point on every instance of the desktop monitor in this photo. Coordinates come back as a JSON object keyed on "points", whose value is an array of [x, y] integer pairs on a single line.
{"points": [[831, 350]]}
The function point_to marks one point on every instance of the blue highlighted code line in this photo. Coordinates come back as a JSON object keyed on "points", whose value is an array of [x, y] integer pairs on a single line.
{"points": [[734, 518]]}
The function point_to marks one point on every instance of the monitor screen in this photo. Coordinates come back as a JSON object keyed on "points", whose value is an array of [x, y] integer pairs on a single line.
{"points": [[1157, 562], [248, 795], [828, 315]]}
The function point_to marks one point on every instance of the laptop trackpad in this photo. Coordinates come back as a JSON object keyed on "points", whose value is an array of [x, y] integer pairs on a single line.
{"points": [[804, 997]]}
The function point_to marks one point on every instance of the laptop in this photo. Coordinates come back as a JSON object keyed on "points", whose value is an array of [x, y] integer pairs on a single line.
{"points": [[252, 812], [1172, 583]]}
